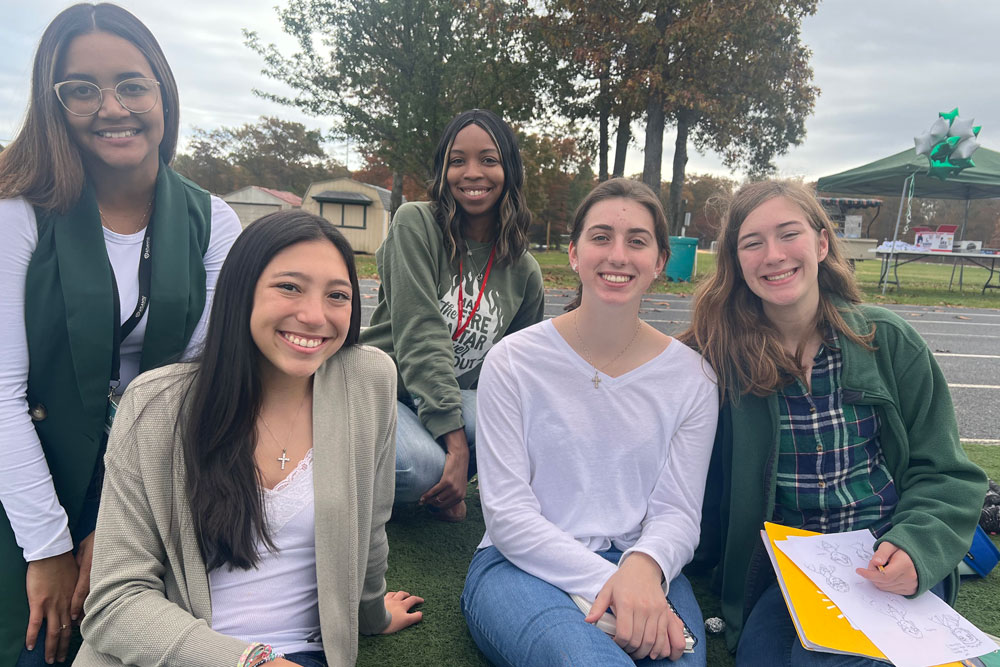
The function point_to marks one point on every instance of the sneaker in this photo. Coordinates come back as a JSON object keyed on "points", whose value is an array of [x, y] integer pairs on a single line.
{"points": [[989, 519]]}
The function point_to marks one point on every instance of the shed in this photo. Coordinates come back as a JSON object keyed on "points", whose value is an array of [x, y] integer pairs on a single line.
{"points": [[359, 210], [254, 201]]}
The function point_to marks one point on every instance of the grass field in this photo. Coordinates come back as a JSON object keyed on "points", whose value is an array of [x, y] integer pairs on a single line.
{"points": [[429, 558], [923, 283]]}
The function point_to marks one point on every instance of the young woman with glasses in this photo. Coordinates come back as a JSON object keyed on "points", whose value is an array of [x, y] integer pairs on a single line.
{"points": [[456, 278], [107, 268]]}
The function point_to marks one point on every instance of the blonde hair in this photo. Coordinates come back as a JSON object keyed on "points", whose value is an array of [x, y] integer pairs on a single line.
{"points": [[728, 324]]}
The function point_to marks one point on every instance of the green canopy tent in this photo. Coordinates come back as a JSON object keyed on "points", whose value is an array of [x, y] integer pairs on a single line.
{"points": [[894, 174], [885, 177]]}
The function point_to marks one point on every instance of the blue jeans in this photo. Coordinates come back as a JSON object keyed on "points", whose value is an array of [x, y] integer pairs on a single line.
{"points": [[419, 457], [307, 658], [518, 620], [769, 639]]}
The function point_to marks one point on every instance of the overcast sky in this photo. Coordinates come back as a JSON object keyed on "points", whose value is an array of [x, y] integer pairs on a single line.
{"points": [[885, 69]]}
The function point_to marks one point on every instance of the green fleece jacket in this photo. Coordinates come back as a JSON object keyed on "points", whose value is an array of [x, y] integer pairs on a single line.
{"points": [[940, 490], [417, 313]]}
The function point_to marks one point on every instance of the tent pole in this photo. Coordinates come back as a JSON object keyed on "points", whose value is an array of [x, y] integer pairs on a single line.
{"points": [[895, 232], [961, 238]]}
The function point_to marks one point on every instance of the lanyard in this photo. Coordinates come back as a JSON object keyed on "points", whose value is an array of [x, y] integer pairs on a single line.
{"points": [[141, 305], [461, 278]]}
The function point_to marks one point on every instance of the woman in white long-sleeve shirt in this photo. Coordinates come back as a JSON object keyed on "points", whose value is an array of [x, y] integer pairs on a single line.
{"points": [[108, 261], [596, 432]]}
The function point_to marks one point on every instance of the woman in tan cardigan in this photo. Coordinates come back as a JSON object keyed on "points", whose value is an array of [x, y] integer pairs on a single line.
{"points": [[246, 496]]}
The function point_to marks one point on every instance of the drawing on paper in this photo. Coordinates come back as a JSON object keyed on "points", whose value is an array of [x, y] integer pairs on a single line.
{"points": [[835, 555], [951, 621], [897, 614], [832, 580]]}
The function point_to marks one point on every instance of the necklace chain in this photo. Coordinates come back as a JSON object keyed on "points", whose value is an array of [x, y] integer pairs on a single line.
{"points": [[586, 350], [478, 273], [283, 459], [107, 223]]}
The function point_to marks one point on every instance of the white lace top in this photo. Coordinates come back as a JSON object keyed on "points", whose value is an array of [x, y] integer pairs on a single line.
{"points": [[277, 603]]}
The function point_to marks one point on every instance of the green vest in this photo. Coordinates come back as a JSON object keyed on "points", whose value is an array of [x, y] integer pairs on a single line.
{"points": [[68, 316]]}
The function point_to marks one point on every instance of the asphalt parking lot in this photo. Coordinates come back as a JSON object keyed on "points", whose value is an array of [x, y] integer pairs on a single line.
{"points": [[965, 342]]}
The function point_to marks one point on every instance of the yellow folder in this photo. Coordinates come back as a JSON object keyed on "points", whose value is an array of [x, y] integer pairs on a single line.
{"points": [[818, 622]]}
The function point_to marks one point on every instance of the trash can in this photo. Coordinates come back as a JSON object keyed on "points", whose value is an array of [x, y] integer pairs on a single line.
{"points": [[682, 253]]}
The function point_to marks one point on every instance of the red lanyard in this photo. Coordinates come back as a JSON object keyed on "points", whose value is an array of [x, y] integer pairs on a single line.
{"points": [[461, 279]]}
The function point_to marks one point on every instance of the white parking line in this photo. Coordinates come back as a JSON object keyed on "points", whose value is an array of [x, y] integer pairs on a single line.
{"points": [[974, 386], [946, 333], [967, 356], [963, 323], [980, 441]]}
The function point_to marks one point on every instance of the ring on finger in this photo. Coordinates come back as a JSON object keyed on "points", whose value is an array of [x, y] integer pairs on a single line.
{"points": [[64, 627]]}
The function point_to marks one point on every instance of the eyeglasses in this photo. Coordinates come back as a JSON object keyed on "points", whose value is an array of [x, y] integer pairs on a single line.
{"points": [[83, 98]]}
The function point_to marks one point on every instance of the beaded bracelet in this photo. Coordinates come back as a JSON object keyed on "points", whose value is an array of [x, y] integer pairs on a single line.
{"points": [[257, 654]]}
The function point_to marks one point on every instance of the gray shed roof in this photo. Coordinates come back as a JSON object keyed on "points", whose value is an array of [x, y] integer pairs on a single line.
{"points": [[340, 197], [386, 197]]}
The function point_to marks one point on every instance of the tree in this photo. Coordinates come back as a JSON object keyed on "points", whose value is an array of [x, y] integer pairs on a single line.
{"points": [[734, 76], [391, 74], [557, 176], [700, 192], [594, 71], [376, 172], [272, 152]]}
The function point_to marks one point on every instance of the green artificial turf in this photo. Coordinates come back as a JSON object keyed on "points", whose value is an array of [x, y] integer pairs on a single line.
{"points": [[429, 558]]}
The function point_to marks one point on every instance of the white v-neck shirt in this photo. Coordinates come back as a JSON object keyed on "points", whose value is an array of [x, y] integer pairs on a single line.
{"points": [[566, 469]]}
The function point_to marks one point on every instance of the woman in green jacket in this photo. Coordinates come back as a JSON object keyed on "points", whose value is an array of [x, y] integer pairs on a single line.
{"points": [[108, 261], [835, 418]]}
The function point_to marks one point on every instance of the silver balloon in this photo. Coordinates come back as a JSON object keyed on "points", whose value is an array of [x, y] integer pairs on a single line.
{"points": [[961, 127], [964, 149], [939, 130], [924, 143]]}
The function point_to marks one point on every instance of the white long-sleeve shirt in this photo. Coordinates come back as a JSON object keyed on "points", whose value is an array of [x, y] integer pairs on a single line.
{"points": [[26, 491], [566, 469]]}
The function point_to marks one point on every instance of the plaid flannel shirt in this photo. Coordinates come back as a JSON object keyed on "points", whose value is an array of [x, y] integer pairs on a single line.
{"points": [[831, 474]]}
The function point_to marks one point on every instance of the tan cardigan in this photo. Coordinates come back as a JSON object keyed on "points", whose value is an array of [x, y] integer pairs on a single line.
{"points": [[149, 600]]}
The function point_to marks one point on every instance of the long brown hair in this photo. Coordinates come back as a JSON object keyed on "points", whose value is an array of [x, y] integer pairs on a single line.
{"points": [[223, 403], [42, 163], [728, 324], [621, 188], [513, 214]]}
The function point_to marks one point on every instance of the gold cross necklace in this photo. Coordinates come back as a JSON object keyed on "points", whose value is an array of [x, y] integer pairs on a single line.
{"points": [[586, 351]]}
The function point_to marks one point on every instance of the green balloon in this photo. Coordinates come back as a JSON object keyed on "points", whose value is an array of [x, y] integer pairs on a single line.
{"points": [[941, 170], [943, 149], [941, 164]]}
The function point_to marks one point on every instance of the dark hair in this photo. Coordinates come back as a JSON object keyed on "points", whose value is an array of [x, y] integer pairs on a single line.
{"points": [[224, 400], [621, 188], [728, 323], [513, 214], [42, 163]]}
